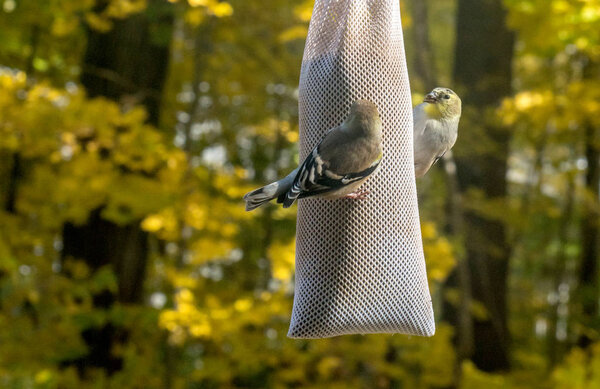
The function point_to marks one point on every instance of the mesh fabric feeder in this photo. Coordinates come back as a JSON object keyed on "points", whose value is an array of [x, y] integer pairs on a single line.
{"points": [[359, 264]]}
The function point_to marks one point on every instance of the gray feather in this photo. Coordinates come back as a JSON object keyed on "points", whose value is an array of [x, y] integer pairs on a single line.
{"points": [[269, 192], [432, 138]]}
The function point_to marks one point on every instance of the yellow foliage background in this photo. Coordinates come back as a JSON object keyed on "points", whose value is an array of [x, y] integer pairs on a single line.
{"points": [[218, 286]]}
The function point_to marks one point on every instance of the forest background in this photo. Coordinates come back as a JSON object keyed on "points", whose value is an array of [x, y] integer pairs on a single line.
{"points": [[130, 129]]}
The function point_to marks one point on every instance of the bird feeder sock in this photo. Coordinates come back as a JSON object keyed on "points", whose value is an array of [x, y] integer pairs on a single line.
{"points": [[359, 263]]}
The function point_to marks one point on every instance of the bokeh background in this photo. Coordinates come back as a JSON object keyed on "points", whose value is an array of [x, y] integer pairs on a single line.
{"points": [[130, 129]]}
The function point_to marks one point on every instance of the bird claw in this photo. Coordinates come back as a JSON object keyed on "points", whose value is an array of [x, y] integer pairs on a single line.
{"points": [[360, 195]]}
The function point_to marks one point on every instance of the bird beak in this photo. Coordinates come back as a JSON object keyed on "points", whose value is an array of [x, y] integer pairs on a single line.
{"points": [[431, 98]]}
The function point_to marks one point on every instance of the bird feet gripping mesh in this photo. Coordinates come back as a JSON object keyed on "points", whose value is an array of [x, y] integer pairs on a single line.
{"points": [[358, 195]]}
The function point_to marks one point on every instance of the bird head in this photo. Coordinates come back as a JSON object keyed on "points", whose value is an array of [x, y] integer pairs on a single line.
{"points": [[364, 108], [364, 115], [443, 103]]}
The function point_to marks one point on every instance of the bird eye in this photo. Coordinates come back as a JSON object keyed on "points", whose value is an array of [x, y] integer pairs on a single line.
{"points": [[446, 97]]}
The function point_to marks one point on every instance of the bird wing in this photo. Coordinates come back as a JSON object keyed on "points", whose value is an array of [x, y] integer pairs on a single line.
{"points": [[432, 143], [419, 119], [437, 158], [338, 161]]}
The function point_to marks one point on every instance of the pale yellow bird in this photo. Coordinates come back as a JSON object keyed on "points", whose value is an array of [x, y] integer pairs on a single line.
{"points": [[435, 124]]}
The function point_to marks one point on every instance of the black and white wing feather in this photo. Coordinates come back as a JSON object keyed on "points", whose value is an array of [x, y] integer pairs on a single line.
{"points": [[315, 178]]}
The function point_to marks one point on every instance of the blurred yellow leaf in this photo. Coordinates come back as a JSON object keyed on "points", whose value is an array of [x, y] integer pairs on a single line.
{"points": [[282, 257], [62, 26], [303, 11], [152, 223], [43, 377], [97, 22], [328, 365], [243, 305], [476, 379], [222, 9], [293, 33], [438, 253]]}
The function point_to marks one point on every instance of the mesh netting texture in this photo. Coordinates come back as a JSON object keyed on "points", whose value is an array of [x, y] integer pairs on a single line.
{"points": [[359, 264]]}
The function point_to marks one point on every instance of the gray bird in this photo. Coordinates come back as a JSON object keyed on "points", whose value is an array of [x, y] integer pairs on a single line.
{"points": [[435, 127], [341, 162]]}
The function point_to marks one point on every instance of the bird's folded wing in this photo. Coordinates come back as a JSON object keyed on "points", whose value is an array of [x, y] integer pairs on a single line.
{"points": [[315, 178]]}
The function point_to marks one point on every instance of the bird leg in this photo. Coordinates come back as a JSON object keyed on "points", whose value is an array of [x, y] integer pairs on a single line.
{"points": [[360, 195]]}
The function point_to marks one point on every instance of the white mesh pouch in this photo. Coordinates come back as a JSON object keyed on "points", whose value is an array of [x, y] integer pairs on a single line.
{"points": [[359, 264]]}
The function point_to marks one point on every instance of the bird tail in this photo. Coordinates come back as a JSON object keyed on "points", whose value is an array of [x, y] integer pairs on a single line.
{"points": [[260, 196]]}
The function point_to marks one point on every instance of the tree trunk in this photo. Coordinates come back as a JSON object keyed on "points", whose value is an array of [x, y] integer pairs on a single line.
{"points": [[423, 54], [554, 341], [16, 170], [13, 182], [589, 283], [126, 65], [461, 277], [483, 77]]}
